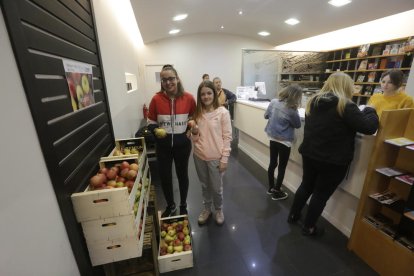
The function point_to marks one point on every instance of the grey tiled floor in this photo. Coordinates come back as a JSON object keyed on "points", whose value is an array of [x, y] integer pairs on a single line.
{"points": [[255, 238]]}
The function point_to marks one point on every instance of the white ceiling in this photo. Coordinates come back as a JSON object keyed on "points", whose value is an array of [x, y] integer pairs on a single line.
{"points": [[154, 17]]}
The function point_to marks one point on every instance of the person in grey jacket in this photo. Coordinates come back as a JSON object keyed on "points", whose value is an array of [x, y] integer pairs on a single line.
{"points": [[283, 119]]}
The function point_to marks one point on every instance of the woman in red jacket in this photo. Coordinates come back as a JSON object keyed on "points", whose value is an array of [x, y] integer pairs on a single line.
{"points": [[169, 112]]}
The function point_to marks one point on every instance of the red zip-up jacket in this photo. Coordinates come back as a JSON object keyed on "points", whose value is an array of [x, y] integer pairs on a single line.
{"points": [[172, 115]]}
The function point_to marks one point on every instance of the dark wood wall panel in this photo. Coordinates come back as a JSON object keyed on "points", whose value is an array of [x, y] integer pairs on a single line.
{"points": [[49, 44], [42, 19], [43, 33], [61, 12]]}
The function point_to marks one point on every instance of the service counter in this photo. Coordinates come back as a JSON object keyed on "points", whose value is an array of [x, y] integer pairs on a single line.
{"points": [[253, 141]]}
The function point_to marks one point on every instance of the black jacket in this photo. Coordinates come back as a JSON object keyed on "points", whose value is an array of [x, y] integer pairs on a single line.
{"points": [[329, 137]]}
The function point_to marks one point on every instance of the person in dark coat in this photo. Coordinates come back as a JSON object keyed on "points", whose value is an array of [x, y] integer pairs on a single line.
{"points": [[331, 123]]}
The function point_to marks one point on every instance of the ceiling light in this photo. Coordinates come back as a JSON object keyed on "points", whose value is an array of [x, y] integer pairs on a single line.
{"points": [[240, 12], [263, 33], [292, 21], [339, 3], [180, 17], [174, 31], [221, 27]]}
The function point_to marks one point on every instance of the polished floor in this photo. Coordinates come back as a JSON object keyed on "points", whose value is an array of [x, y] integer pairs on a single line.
{"points": [[255, 238]]}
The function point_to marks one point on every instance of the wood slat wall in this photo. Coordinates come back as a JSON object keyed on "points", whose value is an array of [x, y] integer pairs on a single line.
{"points": [[42, 33]]}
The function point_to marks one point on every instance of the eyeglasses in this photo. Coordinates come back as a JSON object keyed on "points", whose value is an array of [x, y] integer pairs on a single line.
{"points": [[170, 79]]}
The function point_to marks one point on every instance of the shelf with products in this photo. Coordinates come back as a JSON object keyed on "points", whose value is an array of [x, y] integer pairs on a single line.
{"points": [[365, 63], [383, 231]]}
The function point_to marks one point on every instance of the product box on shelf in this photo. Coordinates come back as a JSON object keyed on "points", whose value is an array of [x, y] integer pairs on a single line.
{"points": [[127, 147], [175, 248], [107, 251], [108, 200]]}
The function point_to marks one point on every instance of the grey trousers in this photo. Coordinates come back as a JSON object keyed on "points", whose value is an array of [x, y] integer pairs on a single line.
{"points": [[211, 182]]}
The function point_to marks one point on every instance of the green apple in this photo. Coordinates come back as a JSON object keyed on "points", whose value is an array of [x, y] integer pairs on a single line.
{"points": [[178, 248], [85, 84], [186, 231], [163, 234], [160, 132], [170, 249], [171, 232]]}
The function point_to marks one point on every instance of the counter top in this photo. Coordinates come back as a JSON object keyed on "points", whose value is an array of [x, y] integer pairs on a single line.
{"points": [[264, 105]]}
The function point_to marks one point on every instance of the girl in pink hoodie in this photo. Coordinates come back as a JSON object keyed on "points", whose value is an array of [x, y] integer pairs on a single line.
{"points": [[211, 135]]}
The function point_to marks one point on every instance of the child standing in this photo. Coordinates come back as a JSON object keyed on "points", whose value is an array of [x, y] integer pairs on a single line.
{"points": [[211, 136], [283, 118]]}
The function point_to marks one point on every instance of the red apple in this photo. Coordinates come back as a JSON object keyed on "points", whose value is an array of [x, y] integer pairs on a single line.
{"points": [[111, 174], [124, 172], [131, 174], [187, 247], [120, 179], [181, 236], [177, 242], [96, 181], [134, 166], [125, 165], [129, 184], [103, 170], [111, 183]]}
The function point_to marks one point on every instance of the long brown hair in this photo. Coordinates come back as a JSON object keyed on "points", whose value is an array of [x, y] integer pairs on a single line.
{"points": [[339, 84], [199, 109], [291, 95], [180, 87]]}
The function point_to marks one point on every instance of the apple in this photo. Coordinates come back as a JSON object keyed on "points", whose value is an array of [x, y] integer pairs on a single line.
{"points": [[120, 179], [185, 222], [120, 184], [187, 247], [187, 241], [125, 165], [134, 166], [131, 174], [116, 169], [129, 184], [79, 92], [163, 251], [160, 132], [177, 242], [186, 231], [163, 234], [111, 174], [179, 228], [111, 183], [96, 181], [178, 248], [85, 84], [170, 249], [124, 172], [103, 170], [181, 236], [169, 238], [171, 232]]}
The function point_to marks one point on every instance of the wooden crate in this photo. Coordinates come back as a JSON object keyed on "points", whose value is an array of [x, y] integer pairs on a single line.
{"points": [[100, 204], [175, 261], [108, 251], [121, 144]]}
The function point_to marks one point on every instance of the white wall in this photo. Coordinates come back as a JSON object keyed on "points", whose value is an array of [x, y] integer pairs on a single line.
{"points": [[119, 41], [33, 238], [193, 55]]}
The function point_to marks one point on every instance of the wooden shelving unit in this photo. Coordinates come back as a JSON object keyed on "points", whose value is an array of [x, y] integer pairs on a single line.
{"points": [[384, 245], [374, 63]]}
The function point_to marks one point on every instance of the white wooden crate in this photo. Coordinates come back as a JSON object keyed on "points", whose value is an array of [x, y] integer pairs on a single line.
{"points": [[176, 261], [108, 251], [100, 204], [121, 143]]}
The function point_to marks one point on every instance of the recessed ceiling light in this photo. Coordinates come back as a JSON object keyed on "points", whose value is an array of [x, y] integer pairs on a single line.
{"points": [[180, 17], [175, 31], [240, 12], [263, 33], [221, 27], [292, 21], [339, 3]]}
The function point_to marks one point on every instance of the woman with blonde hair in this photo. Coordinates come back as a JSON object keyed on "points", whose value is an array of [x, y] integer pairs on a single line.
{"points": [[331, 123]]}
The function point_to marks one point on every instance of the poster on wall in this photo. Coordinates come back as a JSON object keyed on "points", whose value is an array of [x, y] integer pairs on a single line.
{"points": [[79, 78], [260, 87]]}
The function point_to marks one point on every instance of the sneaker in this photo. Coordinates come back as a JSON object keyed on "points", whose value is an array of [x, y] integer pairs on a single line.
{"points": [[314, 231], [169, 211], [271, 191], [183, 210], [204, 215], [293, 218], [219, 217], [279, 195]]}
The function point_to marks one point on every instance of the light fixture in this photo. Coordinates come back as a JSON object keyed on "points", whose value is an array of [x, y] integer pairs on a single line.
{"points": [[292, 21], [180, 17], [240, 12], [263, 33], [339, 3], [221, 27], [174, 31]]}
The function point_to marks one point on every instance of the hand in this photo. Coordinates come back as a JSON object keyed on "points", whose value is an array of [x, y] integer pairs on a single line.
{"points": [[222, 167]]}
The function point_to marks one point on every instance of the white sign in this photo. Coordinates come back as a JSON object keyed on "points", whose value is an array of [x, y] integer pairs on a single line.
{"points": [[260, 87], [246, 92]]}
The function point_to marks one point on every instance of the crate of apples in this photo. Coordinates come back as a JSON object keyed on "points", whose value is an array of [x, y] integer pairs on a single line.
{"points": [[175, 240]]}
